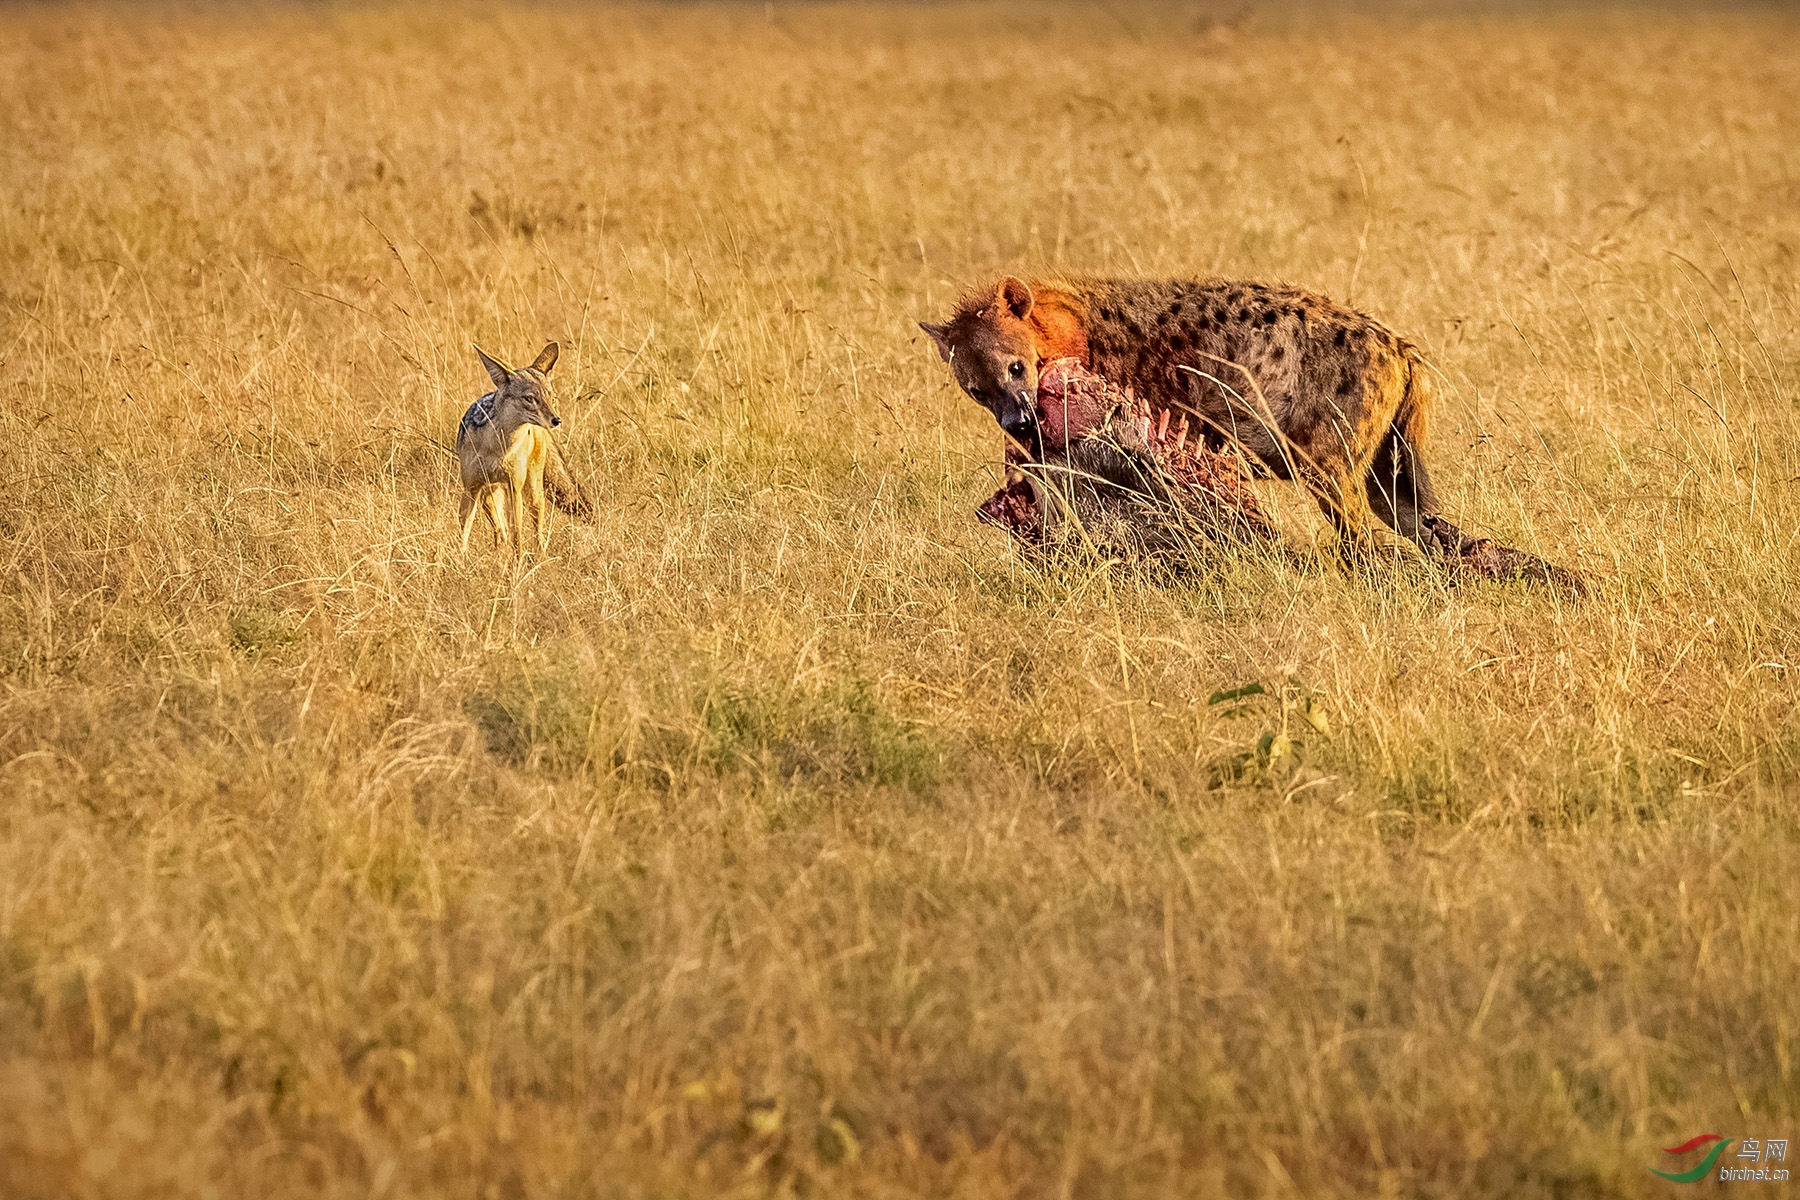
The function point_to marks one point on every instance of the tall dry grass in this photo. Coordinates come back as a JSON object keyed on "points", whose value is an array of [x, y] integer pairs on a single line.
{"points": [[782, 832]]}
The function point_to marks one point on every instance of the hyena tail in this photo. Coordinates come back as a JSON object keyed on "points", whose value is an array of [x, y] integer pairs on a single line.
{"points": [[1401, 492], [561, 487], [1399, 487]]}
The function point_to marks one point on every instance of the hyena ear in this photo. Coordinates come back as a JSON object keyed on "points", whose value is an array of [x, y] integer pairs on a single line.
{"points": [[545, 359], [495, 370], [941, 335], [1016, 295]]}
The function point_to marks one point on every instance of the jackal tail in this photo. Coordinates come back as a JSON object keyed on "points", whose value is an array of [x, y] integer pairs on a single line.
{"points": [[561, 487]]}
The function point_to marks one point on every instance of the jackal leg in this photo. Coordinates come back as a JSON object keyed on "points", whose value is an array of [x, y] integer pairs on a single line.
{"points": [[465, 516], [496, 510], [540, 514], [533, 486], [520, 485]]}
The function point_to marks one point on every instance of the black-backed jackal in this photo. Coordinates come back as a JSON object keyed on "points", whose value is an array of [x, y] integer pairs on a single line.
{"points": [[508, 460]]}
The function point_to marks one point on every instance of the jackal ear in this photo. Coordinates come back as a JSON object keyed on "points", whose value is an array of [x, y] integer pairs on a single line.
{"points": [[940, 334], [546, 359], [1016, 295], [498, 373]]}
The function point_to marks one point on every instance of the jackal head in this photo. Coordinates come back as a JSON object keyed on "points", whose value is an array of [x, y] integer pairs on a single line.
{"points": [[524, 393], [993, 350]]}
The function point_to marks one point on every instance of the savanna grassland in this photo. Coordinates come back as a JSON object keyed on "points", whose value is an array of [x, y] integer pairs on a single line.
{"points": [[781, 832]]}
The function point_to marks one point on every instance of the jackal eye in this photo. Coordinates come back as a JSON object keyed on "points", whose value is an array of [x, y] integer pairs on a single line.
{"points": [[1017, 370]]}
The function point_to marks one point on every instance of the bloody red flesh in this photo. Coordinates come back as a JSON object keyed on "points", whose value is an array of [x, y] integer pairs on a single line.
{"points": [[1086, 421]]}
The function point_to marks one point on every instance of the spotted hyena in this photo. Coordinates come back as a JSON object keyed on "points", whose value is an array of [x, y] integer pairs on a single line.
{"points": [[1312, 390]]}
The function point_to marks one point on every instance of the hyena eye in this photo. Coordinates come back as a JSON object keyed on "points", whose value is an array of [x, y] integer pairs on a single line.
{"points": [[1017, 370]]}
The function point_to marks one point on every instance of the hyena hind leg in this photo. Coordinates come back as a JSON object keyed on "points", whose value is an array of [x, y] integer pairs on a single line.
{"points": [[1343, 506]]}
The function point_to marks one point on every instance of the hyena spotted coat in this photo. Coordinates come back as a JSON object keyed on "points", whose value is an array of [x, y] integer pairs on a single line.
{"points": [[1314, 391]]}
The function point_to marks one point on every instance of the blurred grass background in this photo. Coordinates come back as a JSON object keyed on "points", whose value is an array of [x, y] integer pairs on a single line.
{"points": [[781, 832]]}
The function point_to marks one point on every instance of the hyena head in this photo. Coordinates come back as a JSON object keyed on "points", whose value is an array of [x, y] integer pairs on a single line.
{"points": [[993, 350], [525, 393]]}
